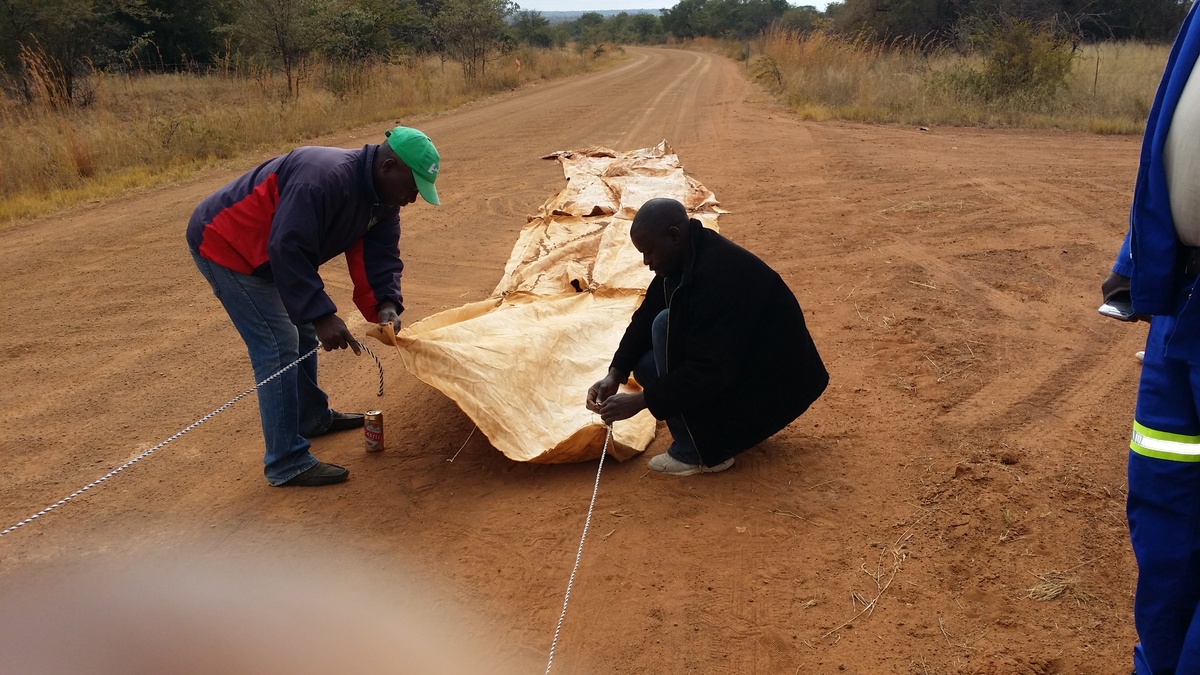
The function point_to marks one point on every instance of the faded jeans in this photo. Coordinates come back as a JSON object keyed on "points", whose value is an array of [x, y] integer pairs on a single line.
{"points": [[649, 368], [291, 405]]}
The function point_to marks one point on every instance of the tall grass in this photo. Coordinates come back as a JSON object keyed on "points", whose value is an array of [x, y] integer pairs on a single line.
{"points": [[1109, 86], [141, 129], [1112, 85]]}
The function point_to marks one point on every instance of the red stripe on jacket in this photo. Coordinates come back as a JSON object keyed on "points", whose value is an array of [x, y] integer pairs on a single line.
{"points": [[237, 236], [364, 295]]}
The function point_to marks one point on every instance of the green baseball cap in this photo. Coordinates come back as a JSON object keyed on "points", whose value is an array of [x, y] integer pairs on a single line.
{"points": [[416, 150]]}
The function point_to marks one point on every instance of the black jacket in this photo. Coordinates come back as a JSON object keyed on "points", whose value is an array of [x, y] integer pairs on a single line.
{"points": [[740, 362]]}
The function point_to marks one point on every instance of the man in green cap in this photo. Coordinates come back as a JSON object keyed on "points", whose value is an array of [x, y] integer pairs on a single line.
{"points": [[259, 242]]}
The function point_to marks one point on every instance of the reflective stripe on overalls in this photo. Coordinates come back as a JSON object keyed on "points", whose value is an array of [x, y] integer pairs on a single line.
{"points": [[1164, 445]]}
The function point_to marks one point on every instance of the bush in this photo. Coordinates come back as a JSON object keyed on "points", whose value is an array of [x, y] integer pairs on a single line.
{"points": [[1106, 88], [1028, 60], [1021, 61]]}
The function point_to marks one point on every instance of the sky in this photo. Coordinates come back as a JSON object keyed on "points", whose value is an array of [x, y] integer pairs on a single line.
{"points": [[593, 5]]}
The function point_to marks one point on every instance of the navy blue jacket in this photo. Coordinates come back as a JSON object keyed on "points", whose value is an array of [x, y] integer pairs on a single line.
{"points": [[285, 218]]}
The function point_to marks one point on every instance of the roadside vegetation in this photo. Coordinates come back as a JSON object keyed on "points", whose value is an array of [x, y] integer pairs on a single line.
{"points": [[1028, 79], [87, 119], [144, 129], [1064, 64], [99, 96]]}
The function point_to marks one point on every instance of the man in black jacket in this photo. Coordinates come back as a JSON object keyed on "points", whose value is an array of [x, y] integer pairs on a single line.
{"points": [[718, 345]]}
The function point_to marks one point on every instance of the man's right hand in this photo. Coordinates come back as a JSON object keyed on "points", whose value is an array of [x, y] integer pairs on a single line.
{"points": [[333, 334], [1116, 287], [1115, 283], [598, 393]]}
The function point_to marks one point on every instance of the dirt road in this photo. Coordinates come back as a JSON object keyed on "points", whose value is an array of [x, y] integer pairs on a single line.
{"points": [[970, 448]]}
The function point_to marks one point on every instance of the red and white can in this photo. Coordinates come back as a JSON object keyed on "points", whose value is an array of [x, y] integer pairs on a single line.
{"points": [[373, 430]]}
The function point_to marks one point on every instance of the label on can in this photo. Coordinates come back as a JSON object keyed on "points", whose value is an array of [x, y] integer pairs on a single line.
{"points": [[373, 430]]}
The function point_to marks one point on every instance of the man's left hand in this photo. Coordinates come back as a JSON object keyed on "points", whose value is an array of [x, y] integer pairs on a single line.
{"points": [[389, 314], [622, 406]]}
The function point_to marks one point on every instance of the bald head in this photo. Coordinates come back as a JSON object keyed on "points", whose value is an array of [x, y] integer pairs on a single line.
{"points": [[658, 215], [661, 232]]}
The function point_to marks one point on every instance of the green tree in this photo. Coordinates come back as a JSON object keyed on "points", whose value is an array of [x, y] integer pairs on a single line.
{"points": [[936, 20], [357, 33], [618, 28], [531, 28], [561, 32], [50, 44], [722, 18], [892, 19], [680, 19], [756, 16], [647, 28], [470, 29], [1023, 58], [590, 21], [802, 19], [286, 32], [1023, 62], [1147, 20], [177, 34], [717, 18], [410, 24]]}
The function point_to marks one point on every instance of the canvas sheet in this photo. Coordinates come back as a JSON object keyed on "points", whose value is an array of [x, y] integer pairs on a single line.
{"points": [[519, 364]]}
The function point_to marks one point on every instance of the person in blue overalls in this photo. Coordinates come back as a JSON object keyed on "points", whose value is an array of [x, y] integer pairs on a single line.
{"points": [[1159, 265]]}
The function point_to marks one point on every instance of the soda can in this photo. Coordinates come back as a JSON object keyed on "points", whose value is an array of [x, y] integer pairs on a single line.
{"points": [[373, 430]]}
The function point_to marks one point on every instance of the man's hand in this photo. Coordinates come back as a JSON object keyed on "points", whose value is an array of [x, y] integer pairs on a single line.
{"points": [[389, 313], [333, 334], [622, 406], [1116, 287], [600, 392], [1115, 283]]}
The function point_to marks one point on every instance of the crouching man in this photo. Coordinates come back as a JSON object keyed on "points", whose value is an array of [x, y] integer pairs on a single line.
{"points": [[719, 346]]}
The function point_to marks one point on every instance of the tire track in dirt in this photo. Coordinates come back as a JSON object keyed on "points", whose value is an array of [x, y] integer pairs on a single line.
{"points": [[1015, 398], [1016, 283], [998, 214], [1042, 385], [667, 99]]}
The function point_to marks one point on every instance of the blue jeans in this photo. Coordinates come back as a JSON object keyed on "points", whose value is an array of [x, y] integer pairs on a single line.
{"points": [[291, 405], [649, 368]]}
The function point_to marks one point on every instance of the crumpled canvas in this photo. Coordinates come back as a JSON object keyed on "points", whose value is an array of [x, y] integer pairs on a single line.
{"points": [[519, 364]]}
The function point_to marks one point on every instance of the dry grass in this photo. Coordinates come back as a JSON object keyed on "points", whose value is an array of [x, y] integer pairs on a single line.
{"points": [[821, 76], [1112, 85], [1062, 584], [145, 129], [1054, 585]]}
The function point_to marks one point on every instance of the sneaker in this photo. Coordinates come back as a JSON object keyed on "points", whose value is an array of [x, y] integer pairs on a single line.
{"points": [[319, 474], [667, 464], [340, 422]]}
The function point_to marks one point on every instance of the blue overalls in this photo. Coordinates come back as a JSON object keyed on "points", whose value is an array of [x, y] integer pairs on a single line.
{"points": [[1164, 460]]}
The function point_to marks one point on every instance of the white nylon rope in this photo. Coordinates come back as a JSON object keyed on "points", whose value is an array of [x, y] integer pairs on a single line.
{"points": [[579, 553], [183, 431]]}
